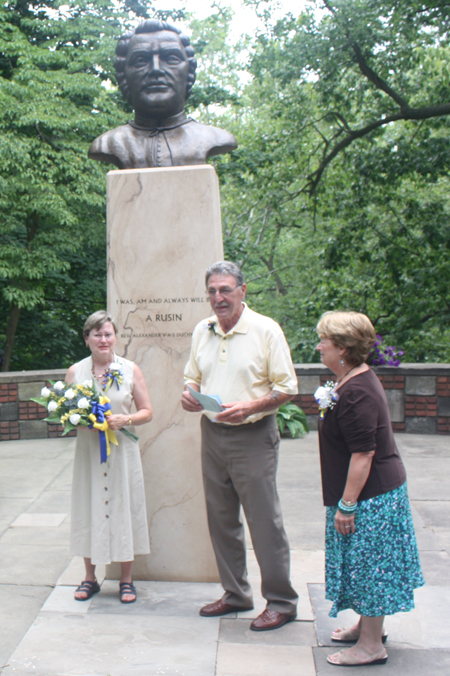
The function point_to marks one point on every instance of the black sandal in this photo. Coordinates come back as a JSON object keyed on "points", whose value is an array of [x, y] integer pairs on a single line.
{"points": [[125, 589], [89, 588]]}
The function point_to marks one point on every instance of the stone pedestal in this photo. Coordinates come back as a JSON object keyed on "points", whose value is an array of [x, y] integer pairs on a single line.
{"points": [[163, 231]]}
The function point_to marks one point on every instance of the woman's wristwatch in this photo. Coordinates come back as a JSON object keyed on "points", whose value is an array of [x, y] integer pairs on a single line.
{"points": [[129, 422]]}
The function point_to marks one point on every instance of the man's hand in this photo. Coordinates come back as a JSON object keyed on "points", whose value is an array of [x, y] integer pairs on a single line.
{"points": [[188, 402], [236, 412]]}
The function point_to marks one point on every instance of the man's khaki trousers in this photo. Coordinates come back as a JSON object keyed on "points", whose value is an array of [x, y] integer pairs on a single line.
{"points": [[239, 468]]}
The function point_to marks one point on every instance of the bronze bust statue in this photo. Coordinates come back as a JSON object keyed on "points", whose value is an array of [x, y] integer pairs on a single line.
{"points": [[155, 68]]}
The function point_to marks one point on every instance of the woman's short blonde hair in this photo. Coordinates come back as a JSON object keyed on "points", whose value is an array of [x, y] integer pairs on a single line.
{"points": [[96, 321], [351, 330]]}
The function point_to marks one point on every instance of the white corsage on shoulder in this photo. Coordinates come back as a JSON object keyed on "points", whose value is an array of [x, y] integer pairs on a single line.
{"points": [[326, 397]]}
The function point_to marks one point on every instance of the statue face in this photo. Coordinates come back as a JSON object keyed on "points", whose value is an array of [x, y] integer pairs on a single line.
{"points": [[156, 72]]}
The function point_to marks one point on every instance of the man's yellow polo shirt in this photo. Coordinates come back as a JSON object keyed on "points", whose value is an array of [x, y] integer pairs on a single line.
{"points": [[246, 363]]}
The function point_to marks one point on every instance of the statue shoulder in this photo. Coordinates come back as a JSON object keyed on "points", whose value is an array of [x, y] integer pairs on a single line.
{"points": [[217, 141], [110, 146]]}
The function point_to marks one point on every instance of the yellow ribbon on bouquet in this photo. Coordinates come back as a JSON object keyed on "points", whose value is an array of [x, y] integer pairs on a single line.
{"points": [[99, 422]]}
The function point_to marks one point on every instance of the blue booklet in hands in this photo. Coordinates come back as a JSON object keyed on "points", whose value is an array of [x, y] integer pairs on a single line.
{"points": [[209, 402]]}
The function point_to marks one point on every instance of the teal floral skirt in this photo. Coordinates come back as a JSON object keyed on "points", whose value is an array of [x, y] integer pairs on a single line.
{"points": [[375, 570]]}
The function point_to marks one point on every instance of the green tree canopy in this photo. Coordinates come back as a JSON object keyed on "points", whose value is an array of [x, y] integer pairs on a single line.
{"points": [[337, 195], [57, 93]]}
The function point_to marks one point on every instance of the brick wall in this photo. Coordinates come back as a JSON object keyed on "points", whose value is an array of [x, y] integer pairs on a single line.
{"points": [[443, 404], [21, 418], [418, 395]]}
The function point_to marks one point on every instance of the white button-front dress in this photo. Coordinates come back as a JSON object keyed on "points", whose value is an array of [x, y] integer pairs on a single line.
{"points": [[108, 515]]}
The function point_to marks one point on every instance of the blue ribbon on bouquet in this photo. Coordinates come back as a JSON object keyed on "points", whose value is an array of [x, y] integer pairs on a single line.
{"points": [[100, 410]]}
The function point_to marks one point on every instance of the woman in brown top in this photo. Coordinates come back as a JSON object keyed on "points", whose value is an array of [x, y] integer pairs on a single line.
{"points": [[372, 562]]}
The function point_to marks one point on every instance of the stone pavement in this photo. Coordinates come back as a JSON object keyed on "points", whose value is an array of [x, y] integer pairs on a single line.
{"points": [[43, 631]]}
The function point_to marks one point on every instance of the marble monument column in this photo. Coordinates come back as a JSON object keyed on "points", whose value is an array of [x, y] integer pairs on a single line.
{"points": [[163, 231]]}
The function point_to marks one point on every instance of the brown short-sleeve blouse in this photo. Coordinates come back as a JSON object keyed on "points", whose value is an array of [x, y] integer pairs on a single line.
{"points": [[359, 422]]}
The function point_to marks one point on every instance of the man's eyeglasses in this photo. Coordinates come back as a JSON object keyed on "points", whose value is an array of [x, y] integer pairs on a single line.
{"points": [[223, 292]]}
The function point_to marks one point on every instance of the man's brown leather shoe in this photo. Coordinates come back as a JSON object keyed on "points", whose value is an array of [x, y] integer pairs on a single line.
{"points": [[220, 608], [271, 619]]}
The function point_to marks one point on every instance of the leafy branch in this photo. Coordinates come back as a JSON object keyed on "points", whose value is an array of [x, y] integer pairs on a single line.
{"points": [[334, 147]]}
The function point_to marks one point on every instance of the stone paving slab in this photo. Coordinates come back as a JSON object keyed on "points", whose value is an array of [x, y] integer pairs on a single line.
{"points": [[19, 607], [306, 451], [52, 501], [264, 660], [435, 513], [323, 623], [162, 632], [427, 626], [62, 600], [305, 566], [402, 661], [5, 523], [38, 520], [38, 536], [90, 644], [63, 480], [305, 531], [15, 483], [31, 557], [14, 506], [443, 536], [429, 484], [161, 599], [436, 568], [426, 537], [75, 573], [292, 633], [421, 445], [48, 562], [28, 466], [435, 516], [424, 627]]}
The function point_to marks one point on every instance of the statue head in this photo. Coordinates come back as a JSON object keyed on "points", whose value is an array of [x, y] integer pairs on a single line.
{"points": [[155, 67]]}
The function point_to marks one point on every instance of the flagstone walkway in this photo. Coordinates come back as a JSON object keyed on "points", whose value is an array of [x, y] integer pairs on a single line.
{"points": [[43, 631]]}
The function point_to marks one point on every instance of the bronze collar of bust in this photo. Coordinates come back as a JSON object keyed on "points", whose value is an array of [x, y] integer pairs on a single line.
{"points": [[159, 126]]}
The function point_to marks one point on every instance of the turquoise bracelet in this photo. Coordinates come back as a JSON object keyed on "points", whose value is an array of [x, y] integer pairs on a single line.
{"points": [[346, 509]]}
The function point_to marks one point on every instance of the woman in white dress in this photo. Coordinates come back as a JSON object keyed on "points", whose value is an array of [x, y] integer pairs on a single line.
{"points": [[109, 520]]}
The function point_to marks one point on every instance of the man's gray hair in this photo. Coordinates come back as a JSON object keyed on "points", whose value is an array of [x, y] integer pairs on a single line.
{"points": [[225, 268]]}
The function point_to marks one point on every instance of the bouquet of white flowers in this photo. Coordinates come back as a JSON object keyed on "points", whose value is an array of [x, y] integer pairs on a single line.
{"points": [[80, 405]]}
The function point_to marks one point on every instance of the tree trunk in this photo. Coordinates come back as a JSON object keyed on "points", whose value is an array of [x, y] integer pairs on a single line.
{"points": [[10, 335]]}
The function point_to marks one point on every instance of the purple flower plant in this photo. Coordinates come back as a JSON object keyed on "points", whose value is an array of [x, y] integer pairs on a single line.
{"points": [[388, 355]]}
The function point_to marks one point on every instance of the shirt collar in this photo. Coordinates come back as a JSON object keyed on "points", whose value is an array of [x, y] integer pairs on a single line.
{"points": [[166, 123], [241, 326]]}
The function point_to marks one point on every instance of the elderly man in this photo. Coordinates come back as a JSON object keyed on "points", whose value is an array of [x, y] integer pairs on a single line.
{"points": [[155, 68], [244, 358]]}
